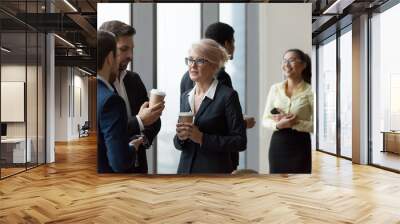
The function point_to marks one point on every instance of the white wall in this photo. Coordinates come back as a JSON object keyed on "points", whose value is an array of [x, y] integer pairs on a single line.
{"points": [[84, 84], [17, 73], [68, 82], [61, 103], [12, 77], [80, 104], [281, 27]]}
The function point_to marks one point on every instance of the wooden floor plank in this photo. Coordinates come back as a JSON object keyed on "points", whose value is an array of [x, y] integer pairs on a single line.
{"points": [[70, 191]]}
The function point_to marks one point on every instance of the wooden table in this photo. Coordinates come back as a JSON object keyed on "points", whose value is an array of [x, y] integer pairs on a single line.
{"points": [[13, 150], [391, 141]]}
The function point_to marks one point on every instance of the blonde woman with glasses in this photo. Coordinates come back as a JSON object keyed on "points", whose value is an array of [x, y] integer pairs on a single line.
{"points": [[218, 128], [289, 113]]}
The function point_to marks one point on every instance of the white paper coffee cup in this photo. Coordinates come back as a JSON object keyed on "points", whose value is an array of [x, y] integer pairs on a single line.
{"points": [[185, 117], [156, 96]]}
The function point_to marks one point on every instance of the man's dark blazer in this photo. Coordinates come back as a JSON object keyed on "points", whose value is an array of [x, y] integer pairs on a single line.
{"points": [[113, 152], [221, 122], [223, 78], [137, 95]]}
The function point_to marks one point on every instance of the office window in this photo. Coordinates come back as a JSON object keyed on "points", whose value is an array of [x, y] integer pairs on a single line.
{"points": [[234, 15], [346, 94], [174, 38], [327, 96], [113, 11], [385, 88]]}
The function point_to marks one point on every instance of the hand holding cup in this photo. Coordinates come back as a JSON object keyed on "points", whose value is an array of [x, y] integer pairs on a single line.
{"points": [[151, 111], [250, 121], [156, 97]]}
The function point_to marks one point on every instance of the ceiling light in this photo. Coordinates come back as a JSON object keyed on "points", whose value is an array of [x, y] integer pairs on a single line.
{"points": [[65, 41], [338, 6], [5, 50], [70, 5], [84, 71], [80, 51]]}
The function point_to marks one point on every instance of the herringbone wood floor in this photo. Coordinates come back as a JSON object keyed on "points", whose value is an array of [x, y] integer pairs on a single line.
{"points": [[70, 191]]}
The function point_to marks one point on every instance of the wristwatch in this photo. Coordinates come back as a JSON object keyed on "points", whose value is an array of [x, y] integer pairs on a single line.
{"points": [[146, 143]]}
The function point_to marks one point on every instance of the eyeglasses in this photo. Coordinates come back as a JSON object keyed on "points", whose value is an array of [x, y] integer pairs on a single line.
{"points": [[191, 61], [291, 61]]}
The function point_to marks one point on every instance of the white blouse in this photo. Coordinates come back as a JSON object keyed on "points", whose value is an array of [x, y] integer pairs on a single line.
{"points": [[301, 104]]}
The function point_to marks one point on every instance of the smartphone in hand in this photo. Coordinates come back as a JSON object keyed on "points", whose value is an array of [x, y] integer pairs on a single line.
{"points": [[275, 111]]}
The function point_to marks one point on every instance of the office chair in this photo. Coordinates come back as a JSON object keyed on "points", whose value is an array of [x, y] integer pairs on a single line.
{"points": [[84, 130]]}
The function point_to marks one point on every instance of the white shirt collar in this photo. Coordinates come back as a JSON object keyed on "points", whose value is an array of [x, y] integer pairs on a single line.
{"points": [[211, 91], [120, 80], [123, 74], [209, 94], [105, 82], [300, 90], [121, 90]]}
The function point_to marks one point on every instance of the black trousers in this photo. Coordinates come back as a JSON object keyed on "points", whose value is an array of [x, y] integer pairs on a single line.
{"points": [[290, 152]]}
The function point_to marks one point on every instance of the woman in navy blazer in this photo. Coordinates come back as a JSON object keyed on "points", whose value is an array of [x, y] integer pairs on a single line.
{"points": [[218, 128]]}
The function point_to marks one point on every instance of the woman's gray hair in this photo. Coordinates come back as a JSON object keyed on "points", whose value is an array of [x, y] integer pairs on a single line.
{"points": [[210, 50]]}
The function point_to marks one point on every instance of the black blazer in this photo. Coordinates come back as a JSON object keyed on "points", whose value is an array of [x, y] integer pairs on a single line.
{"points": [[137, 95], [224, 132], [113, 152], [223, 78]]}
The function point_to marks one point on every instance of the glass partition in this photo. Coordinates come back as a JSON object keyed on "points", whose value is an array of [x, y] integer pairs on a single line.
{"points": [[22, 90], [14, 153]]}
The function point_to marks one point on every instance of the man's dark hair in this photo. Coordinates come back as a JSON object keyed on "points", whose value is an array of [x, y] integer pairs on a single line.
{"points": [[118, 28], [220, 32], [105, 44]]}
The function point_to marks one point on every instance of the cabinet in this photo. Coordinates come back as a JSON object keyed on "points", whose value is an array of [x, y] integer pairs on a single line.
{"points": [[391, 141]]}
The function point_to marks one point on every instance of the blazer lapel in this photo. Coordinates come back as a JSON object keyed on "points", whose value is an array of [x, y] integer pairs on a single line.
{"points": [[186, 105], [131, 94]]}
